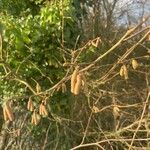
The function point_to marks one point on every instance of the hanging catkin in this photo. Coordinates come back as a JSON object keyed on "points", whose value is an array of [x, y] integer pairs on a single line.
{"points": [[35, 118], [134, 64], [7, 112], [121, 71], [74, 79], [125, 72], [42, 110], [30, 105], [78, 83]]}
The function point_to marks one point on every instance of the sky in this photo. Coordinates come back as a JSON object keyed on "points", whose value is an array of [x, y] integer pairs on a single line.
{"points": [[133, 9]]}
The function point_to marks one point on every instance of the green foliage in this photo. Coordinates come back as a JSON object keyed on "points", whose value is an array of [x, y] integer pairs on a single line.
{"points": [[33, 40], [33, 43], [17, 7]]}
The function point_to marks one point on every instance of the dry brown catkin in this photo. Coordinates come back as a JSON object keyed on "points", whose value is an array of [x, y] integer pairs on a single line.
{"points": [[125, 72], [74, 79], [121, 71], [44, 111], [30, 105], [5, 114], [134, 64], [78, 85], [40, 109], [9, 111], [34, 118]]}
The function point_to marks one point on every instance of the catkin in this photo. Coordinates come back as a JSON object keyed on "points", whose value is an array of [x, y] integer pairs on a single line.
{"points": [[30, 105], [45, 101], [78, 85], [125, 72], [95, 109], [116, 112], [134, 64], [38, 88], [5, 114], [34, 118], [96, 42], [9, 112], [121, 71], [42, 110], [74, 79]]}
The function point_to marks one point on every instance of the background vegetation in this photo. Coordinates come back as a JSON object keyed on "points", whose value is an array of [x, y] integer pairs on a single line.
{"points": [[41, 44]]}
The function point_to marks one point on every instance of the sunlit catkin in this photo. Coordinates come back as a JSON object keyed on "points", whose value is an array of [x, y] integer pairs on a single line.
{"points": [[34, 119], [78, 85], [74, 79], [8, 111], [121, 72], [125, 72], [95, 109], [134, 64], [42, 110], [5, 114], [38, 88], [116, 112], [30, 105]]}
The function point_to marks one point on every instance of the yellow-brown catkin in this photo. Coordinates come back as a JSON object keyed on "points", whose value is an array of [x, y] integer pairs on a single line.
{"points": [[38, 88], [42, 110], [9, 111], [30, 105], [95, 109], [96, 42], [134, 64], [34, 118], [5, 114], [74, 79], [125, 72], [78, 85], [45, 101], [121, 71], [116, 112]]}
